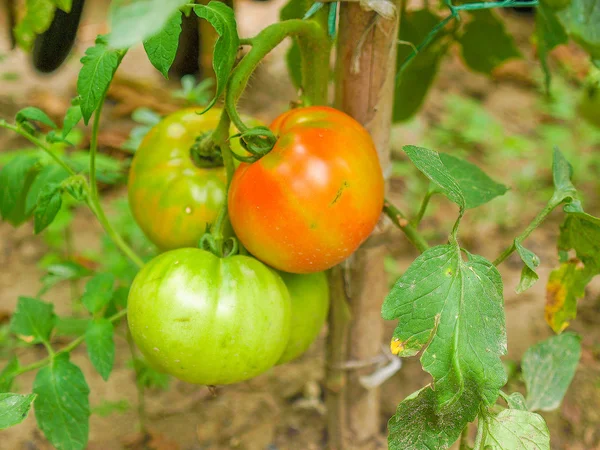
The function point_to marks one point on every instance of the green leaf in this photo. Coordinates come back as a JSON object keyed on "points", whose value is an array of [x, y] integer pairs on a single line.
{"points": [[14, 408], [222, 19], [62, 272], [548, 368], [33, 114], [37, 19], [452, 311], [414, 81], [562, 173], [419, 425], [72, 118], [109, 170], [98, 292], [33, 320], [7, 375], [51, 174], [48, 205], [582, 21], [550, 33], [517, 401], [516, 430], [16, 178], [582, 234], [70, 326], [100, 346], [565, 285], [477, 187], [162, 47], [99, 66], [134, 21], [528, 274], [486, 44], [429, 162], [62, 407]]}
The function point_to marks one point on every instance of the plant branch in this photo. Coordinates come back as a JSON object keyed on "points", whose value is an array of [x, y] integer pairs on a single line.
{"points": [[552, 203], [66, 349], [94, 148], [138, 385], [422, 209], [314, 46], [38, 143], [400, 220], [480, 438]]}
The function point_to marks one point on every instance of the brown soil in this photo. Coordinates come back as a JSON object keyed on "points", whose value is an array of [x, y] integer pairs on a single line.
{"points": [[284, 408]]}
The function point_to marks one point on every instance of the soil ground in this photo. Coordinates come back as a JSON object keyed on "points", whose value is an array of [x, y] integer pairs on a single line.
{"points": [[283, 409]]}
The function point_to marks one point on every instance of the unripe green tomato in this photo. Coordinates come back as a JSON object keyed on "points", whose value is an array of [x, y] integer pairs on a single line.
{"points": [[209, 320], [310, 304]]}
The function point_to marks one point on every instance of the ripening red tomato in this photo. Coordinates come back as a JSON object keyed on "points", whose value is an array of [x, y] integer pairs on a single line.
{"points": [[309, 203]]}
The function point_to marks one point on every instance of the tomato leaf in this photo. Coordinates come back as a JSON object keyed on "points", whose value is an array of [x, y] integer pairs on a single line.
{"points": [[452, 311], [99, 66], [562, 173], [486, 44], [16, 178], [134, 21], [548, 368], [517, 401], [62, 407], [162, 47], [550, 33], [222, 19], [430, 163], [98, 292], [70, 326], [582, 21], [33, 320], [414, 81], [528, 275], [420, 424], [477, 187], [516, 430], [49, 175], [14, 408], [62, 272], [37, 18], [100, 346], [582, 234], [72, 118], [33, 114], [48, 204], [565, 285]]}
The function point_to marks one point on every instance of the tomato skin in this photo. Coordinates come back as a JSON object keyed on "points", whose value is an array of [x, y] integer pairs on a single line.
{"points": [[207, 320], [309, 294], [309, 203], [172, 200]]}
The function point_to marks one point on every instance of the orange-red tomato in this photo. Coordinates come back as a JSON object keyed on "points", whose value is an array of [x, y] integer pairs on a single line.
{"points": [[309, 203]]}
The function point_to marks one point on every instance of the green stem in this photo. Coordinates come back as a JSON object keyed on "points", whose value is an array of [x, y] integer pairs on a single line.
{"points": [[94, 149], [94, 205], [479, 439], [464, 438], [66, 349], [423, 208], [400, 220], [314, 47], [552, 203], [35, 141]]}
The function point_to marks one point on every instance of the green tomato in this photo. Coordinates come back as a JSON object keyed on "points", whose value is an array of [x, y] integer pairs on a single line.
{"points": [[207, 320], [310, 304]]}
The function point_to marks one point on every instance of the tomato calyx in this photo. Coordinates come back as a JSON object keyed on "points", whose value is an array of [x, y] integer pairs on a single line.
{"points": [[205, 153], [222, 248]]}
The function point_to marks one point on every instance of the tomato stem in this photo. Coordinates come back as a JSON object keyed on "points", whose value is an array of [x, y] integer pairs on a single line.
{"points": [[314, 47], [400, 220]]}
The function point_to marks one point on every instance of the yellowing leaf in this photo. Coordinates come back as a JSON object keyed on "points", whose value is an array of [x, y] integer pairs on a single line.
{"points": [[565, 285]]}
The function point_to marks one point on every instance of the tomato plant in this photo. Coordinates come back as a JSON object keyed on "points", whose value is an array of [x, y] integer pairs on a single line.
{"points": [[305, 197], [208, 320], [314, 198], [309, 295]]}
